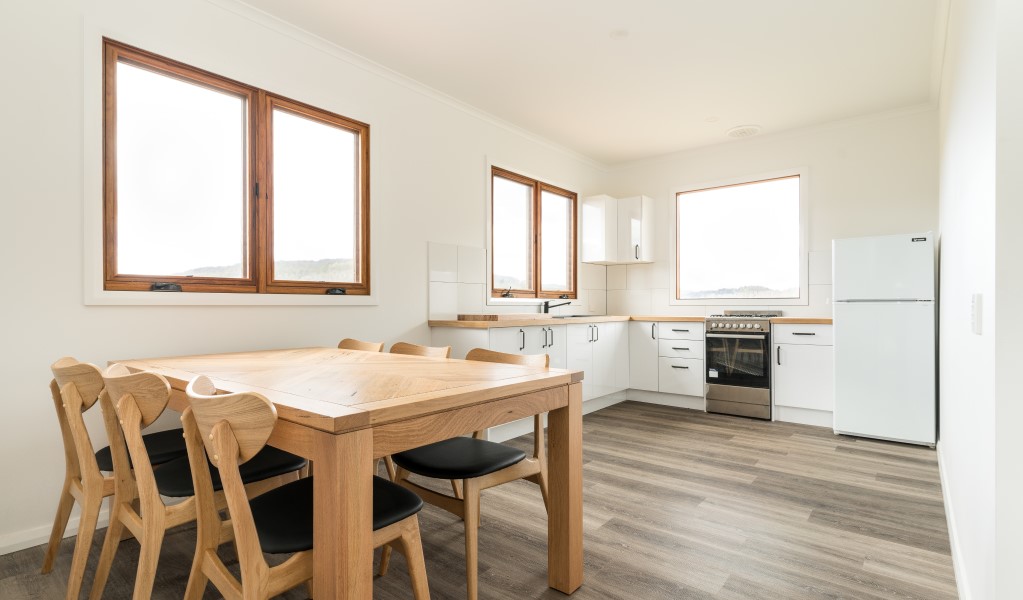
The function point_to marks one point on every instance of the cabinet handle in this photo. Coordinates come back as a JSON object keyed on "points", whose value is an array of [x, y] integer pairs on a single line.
{"points": [[802, 333], [680, 330], [551, 343], [544, 338], [596, 328], [674, 348], [652, 326], [591, 333], [637, 252], [523, 346], [778, 353], [678, 367]]}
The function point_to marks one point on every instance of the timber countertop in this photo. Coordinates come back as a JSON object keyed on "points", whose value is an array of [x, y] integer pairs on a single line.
{"points": [[527, 322], [611, 319]]}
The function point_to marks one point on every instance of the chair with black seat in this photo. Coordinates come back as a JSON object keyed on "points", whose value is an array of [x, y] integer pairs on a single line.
{"points": [[353, 344], [229, 430], [76, 387], [478, 463], [139, 399]]}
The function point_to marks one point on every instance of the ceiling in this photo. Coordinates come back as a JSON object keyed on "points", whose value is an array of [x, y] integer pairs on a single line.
{"points": [[620, 81]]}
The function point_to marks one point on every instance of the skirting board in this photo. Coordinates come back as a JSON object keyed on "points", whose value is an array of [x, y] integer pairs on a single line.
{"points": [[804, 416], [962, 585], [503, 433], [27, 538], [691, 402]]}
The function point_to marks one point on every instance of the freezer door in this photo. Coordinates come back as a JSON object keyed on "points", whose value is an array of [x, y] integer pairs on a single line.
{"points": [[892, 267], [885, 370]]}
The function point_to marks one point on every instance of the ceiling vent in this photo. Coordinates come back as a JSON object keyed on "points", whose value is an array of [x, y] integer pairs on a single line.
{"points": [[743, 131]]}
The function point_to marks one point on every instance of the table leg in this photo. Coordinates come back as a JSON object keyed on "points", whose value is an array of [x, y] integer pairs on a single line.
{"points": [[565, 468], [343, 515]]}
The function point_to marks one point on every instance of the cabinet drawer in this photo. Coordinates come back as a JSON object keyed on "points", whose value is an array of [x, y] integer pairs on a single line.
{"points": [[680, 331], [680, 376], [680, 349], [815, 335]]}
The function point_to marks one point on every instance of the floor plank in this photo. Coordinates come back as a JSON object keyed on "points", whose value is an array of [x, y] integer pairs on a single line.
{"points": [[678, 504]]}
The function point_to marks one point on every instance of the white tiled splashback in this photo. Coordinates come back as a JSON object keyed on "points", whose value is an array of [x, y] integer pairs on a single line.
{"points": [[458, 277], [458, 285], [644, 289]]}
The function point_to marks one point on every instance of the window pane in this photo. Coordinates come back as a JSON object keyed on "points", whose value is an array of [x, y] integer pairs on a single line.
{"points": [[556, 241], [181, 169], [740, 241], [513, 234], [315, 200]]}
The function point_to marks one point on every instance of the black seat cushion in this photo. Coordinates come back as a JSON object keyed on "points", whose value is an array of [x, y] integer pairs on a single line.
{"points": [[458, 458], [162, 446], [284, 516], [174, 478]]}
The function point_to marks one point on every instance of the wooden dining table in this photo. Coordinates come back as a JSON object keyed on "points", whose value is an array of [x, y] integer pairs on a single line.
{"points": [[343, 409]]}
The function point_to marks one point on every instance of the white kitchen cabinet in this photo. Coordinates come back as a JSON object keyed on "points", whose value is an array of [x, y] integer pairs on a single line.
{"points": [[680, 349], [680, 376], [610, 358], [579, 355], [643, 344], [636, 230], [536, 339], [617, 232], [803, 372]]}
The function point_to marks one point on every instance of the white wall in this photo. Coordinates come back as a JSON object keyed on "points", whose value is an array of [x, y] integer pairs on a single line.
{"points": [[968, 255], [1009, 294], [428, 184], [869, 176]]}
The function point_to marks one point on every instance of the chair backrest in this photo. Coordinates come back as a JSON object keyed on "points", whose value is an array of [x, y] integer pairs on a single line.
{"points": [[232, 428], [138, 399], [352, 344], [75, 388], [417, 350], [526, 360]]}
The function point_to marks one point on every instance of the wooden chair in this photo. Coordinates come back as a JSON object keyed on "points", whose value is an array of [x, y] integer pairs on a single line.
{"points": [[76, 387], [414, 350], [479, 464], [230, 429], [139, 399], [350, 344], [417, 350]]}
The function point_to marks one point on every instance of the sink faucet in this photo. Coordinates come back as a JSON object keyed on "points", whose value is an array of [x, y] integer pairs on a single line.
{"points": [[547, 306]]}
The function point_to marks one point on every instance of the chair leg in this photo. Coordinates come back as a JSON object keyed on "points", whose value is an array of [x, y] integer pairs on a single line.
{"points": [[86, 529], [207, 539], [149, 556], [385, 559], [470, 488], [64, 506], [412, 548], [106, 558], [392, 470], [456, 488]]}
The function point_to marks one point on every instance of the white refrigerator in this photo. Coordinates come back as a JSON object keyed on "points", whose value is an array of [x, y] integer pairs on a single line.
{"points": [[885, 352]]}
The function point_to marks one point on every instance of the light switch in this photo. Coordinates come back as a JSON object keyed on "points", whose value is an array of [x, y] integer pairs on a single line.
{"points": [[977, 313]]}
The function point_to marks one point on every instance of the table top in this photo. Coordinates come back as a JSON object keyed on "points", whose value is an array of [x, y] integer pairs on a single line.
{"points": [[344, 390]]}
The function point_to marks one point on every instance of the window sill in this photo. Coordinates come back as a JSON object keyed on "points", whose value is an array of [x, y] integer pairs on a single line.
{"points": [[117, 298]]}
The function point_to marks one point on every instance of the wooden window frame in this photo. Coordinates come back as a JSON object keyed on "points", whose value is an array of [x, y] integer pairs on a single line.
{"points": [[258, 226], [536, 268]]}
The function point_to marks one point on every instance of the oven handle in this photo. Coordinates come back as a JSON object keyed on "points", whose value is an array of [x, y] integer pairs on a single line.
{"points": [[737, 336]]}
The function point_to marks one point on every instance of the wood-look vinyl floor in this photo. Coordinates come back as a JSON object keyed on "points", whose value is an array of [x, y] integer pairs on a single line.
{"points": [[678, 504]]}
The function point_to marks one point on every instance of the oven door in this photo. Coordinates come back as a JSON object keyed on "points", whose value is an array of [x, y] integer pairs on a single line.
{"points": [[739, 359]]}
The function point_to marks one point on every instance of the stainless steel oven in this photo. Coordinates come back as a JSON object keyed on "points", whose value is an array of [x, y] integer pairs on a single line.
{"points": [[738, 362]]}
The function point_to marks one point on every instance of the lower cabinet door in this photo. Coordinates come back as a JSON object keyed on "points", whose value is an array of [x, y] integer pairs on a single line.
{"points": [[511, 340], [804, 376], [680, 376], [579, 354]]}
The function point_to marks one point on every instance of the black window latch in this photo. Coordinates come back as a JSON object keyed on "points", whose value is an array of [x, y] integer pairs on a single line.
{"points": [[161, 286], [337, 292]]}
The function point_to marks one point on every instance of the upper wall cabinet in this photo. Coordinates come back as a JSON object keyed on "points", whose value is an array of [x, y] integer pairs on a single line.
{"points": [[617, 232]]}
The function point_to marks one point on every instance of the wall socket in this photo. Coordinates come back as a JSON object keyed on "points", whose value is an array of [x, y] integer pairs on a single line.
{"points": [[977, 313]]}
